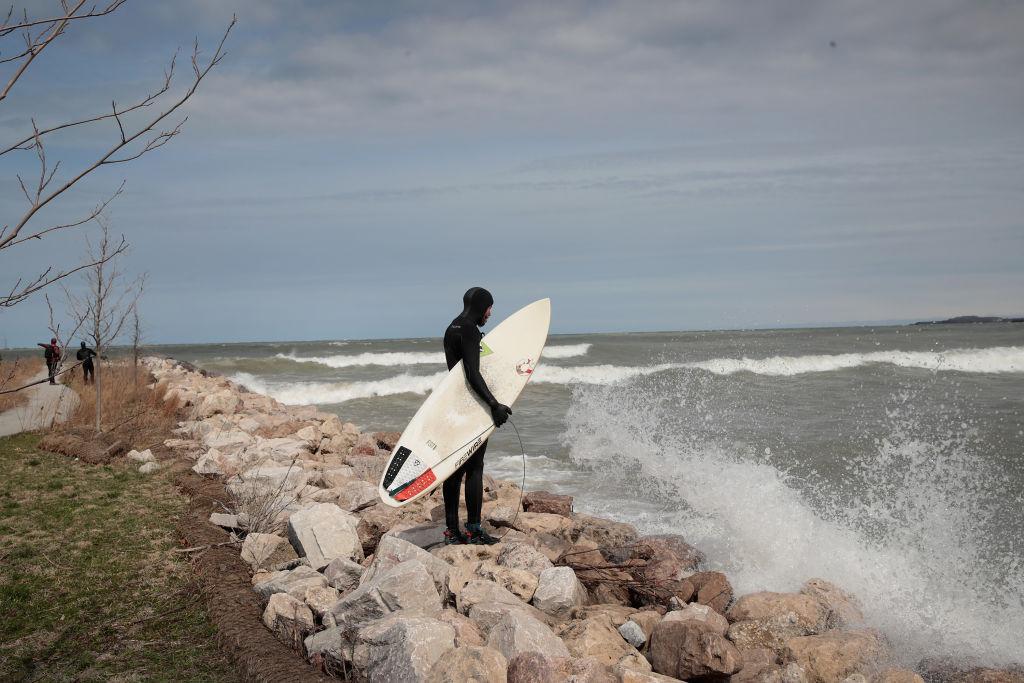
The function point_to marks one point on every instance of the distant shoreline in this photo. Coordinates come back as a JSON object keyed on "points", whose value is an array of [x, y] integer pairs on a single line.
{"points": [[971, 320]]}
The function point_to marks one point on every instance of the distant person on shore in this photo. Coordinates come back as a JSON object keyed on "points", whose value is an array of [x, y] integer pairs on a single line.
{"points": [[85, 354], [462, 342], [51, 352]]}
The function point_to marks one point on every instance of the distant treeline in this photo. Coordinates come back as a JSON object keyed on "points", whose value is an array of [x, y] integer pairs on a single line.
{"points": [[964, 319]]}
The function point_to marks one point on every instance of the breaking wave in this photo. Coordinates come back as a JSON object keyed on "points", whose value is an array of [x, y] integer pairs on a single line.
{"points": [[912, 538], [400, 358], [992, 360], [312, 393]]}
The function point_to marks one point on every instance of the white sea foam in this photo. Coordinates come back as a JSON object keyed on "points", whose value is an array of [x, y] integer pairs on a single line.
{"points": [[385, 358], [399, 358], [991, 360], [567, 351], [322, 393], [913, 544], [594, 374]]}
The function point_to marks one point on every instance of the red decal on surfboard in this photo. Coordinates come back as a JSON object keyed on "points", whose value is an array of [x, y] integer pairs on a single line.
{"points": [[524, 367], [421, 482]]}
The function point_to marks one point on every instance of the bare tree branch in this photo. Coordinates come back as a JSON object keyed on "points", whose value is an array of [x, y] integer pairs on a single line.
{"points": [[6, 28], [144, 102], [108, 157], [37, 44], [16, 295]]}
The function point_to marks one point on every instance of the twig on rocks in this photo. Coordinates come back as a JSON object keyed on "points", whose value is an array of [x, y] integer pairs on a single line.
{"points": [[205, 547]]}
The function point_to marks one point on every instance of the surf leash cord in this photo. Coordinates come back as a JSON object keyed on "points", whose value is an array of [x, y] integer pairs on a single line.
{"points": [[522, 488]]}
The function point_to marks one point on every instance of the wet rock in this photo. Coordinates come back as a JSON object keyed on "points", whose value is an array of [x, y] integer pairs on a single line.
{"points": [[713, 589], [402, 647], [803, 610], [603, 532], [323, 532], [771, 633], [525, 557], [289, 619], [658, 546], [842, 610], [691, 649], [517, 632], [423, 536], [907, 676], [470, 665], [703, 614], [558, 591], [832, 656], [551, 503], [343, 574]]}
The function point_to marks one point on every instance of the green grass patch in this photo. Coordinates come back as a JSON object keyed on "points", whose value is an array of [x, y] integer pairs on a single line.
{"points": [[89, 589]]}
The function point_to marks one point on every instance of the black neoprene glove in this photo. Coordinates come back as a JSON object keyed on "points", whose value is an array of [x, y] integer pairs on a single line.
{"points": [[500, 413]]}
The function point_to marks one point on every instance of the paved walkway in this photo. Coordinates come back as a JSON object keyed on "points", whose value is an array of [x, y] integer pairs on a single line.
{"points": [[46, 403]]}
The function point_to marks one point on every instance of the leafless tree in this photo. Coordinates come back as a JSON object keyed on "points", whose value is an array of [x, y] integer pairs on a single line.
{"points": [[107, 302], [137, 128], [136, 333]]}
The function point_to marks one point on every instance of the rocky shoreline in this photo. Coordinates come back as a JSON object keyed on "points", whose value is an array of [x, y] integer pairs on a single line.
{"points": [[366, 592]]}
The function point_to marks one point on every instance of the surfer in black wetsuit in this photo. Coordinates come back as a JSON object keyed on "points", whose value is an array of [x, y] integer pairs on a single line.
{"points": [[462, 342]]}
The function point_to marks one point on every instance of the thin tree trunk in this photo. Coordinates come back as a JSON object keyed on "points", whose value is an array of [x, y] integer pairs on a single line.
{"points": [[98, 382]]}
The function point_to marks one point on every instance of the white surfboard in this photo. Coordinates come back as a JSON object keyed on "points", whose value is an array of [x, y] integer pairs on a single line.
{"points": [[454, 422]]}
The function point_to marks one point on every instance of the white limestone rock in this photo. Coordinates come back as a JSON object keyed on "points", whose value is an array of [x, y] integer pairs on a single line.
{"points": [[517, 632], [402, 647], [323, 532], [295, 582], [343, 574], [289, 619], [558, 591], [141, 456]]}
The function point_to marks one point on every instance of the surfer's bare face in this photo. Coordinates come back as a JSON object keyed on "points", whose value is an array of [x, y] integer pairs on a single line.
{"points": [[487, 315]]}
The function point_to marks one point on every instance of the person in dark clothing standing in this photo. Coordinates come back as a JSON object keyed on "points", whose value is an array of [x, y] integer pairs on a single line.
{"points": [[51, 352], [85, 354], [462, 342]]}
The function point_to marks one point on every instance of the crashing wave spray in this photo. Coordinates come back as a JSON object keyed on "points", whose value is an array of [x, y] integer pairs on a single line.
{"points": [[911, 534]]}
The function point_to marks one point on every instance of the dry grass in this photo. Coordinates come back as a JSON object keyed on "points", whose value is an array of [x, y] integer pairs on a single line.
{"points": [[134, 413], [14, 374]]}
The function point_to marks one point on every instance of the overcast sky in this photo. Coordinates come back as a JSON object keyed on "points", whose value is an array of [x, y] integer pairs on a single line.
{"points": [[351, 168]]}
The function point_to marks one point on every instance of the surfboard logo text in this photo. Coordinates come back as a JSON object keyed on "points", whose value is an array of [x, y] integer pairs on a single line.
{"points": [[524, 367]]}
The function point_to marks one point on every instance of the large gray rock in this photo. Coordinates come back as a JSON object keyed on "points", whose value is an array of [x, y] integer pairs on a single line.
{"points": [[329, 650], [356, 495], [703, 614], [294, 582], [290, 619], [343, 574], [691, 649], [525, 557], [480, 591], [406, 586], [323, 532], [633, 634], [281, 449], [470, 665], [392, 551], [517, 632], [402, 647], [258, 549], [558, 591]]}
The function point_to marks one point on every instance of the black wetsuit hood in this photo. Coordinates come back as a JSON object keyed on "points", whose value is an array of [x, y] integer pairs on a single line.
{"points": [[476, 301]]}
